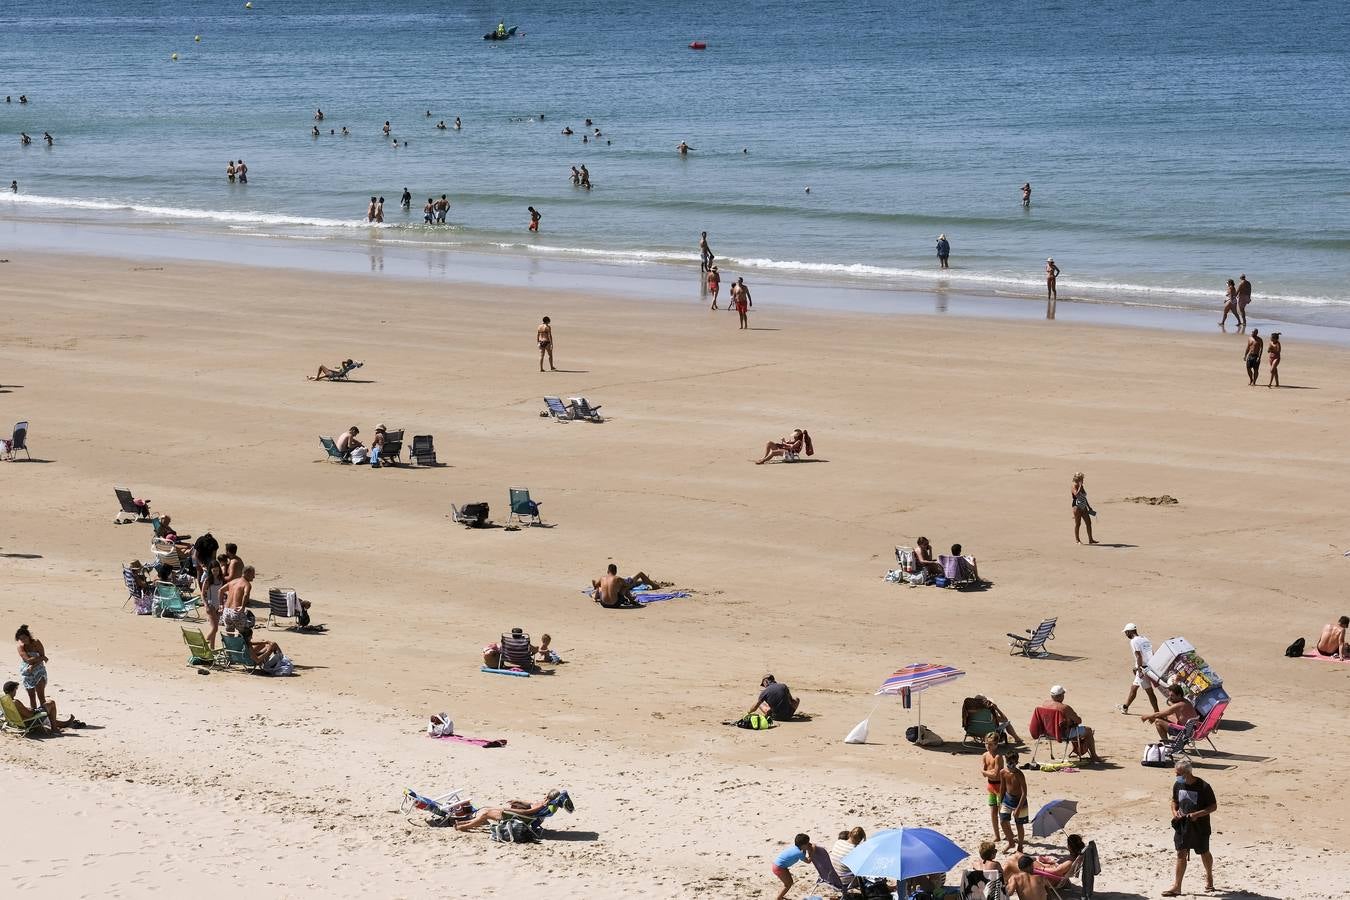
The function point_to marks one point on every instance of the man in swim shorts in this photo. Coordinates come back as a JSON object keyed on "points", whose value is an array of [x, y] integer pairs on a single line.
{"points": [[1333, 640], [1013, 807], [1253, 356]]}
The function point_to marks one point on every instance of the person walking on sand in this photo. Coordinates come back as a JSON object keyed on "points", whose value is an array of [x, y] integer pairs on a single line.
{"points": [[1253, 356], [714, 284], [544, 335], [944, 249], [741, 297], [991, 765], [1026, 195], [1141, 651], [800, 851], [1082, 509], [1230, 304], [1193, 802], [705, 252], [1274, 353], [534, 219], [1051, 273], [1244, 296]]}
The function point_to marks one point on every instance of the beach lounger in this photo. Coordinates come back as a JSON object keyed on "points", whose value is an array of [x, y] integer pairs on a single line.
{"points": [[536, 822], [1186, 737], [523, 507], [516, 653], [557, 410], [199, 651], [172, 603], [341, 373], [582, 409], [1047, 729], [138, 510], [18, 442], [423, 453], [439, 810], [334, 454], [1033, 645], [14, 720], [393, 447]]}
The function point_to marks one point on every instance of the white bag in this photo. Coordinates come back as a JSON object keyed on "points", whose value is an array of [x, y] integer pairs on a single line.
{"points": [[1157, 755], [358, 456], [859, 733], [440, 725]]}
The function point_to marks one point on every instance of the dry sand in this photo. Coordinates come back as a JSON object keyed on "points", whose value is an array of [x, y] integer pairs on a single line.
{"points": [[186, 384]]}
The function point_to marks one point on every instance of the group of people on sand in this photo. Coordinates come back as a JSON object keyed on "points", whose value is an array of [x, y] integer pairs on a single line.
{"points": [[1236, 298], [1251, 357], [357, 453], [924, 561], [741, 301], [40, 711], [237, 171]]}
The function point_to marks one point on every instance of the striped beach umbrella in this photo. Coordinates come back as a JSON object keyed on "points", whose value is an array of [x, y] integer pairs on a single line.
{"points": [[916, 678]]}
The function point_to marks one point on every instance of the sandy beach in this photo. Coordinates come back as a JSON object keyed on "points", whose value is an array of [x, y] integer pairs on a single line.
{"points": [[186, 383]]}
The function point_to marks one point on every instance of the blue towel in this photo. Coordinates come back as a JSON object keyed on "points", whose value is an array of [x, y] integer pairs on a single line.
{"points": [[654, 597]]}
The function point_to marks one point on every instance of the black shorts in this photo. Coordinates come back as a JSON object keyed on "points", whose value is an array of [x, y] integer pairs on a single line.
{"points": [[1190, 839]]}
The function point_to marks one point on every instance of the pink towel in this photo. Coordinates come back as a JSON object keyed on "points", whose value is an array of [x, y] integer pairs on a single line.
{"points": [[1315, 655], [477, 742]]}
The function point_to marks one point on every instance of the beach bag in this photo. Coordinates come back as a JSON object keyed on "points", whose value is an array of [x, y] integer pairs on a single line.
{"points": [[145, 604], [755, 722], [1158, 756], [358, 456], [859, 733], [440, 725], [1295, 650], [476, 513], [918, 578], [513, 831]]}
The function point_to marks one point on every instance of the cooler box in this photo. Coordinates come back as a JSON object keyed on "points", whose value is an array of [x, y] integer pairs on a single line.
{"points": [[1164, 656], [1208, 700]]}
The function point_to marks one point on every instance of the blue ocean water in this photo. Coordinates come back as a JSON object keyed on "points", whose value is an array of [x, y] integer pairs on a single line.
{"points": [[1170, 146]]}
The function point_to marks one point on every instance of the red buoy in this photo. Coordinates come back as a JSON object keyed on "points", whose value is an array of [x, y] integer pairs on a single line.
{"points": [[697, 45]]}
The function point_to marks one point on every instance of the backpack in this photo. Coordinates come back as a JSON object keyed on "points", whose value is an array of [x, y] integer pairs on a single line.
{"points": [[513, 831], [755, 722], [1295, 649], [1158, 756], [477, 512], [205, 547]]}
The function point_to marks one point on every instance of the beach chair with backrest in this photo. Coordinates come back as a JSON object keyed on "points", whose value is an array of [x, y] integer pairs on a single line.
{"points": [[979, 722], [279, 605], [522, 507], [1047, 729], [393, 447], [1033, 643], [423, 452], [440, 810], [341, 372], [985, 885], [14, 720], [956, 570], [904, 557], [828, 876], [516, 652], [334, 454], [138, 510], [1186, 737], [582, 409], [536, 822], [134, 594], [170, 602], [238, 652], [18, 442], [1064, 882], [199, 651], [557, 410]]}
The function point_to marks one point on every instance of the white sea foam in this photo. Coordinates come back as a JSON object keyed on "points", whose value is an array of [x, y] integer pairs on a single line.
{"points": [[246, 217]]}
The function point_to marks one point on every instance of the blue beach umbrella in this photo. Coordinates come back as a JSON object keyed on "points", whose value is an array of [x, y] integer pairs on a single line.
{"points": [[1052, 817], [904, 853]]}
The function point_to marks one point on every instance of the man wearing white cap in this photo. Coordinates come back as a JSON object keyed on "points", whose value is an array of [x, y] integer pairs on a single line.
{"points": [[1141, 648], [1074, 729]]}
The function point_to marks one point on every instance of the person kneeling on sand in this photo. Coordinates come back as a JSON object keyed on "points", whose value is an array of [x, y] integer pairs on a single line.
{"points": [[48, 707], [794, 443], [494, 814], [1333, 639], [775, 700], [613, 591]]}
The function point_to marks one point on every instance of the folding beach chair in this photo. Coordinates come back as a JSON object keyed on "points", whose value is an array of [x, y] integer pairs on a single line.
{"points": [[1034, 644], [472, 515], [341, 372], [170, 602], [18, 442], [535, 823], [556, 410], [979, 722], [423, 453], [516, 652], [582, 409], [334, 454], [135, 594], [523, 507], [1047, 729], [987, 885], [1186, 737], [441, 811], [238, 652], [393, 447], [1064, 882], [199, 651], [957, 570], [138, 510], [279, 605], [14, 720], [848, 888]]}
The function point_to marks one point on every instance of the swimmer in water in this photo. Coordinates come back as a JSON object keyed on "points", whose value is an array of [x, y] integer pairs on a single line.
{"points": [[457, 125], [314, 131], [585, 177], [345, 132], [441, 125], [406, 200], [429, 212], [318, 115], [589, 123], [242, 171], [534, 219], [386, 128], [379, 210], [370, 211], [14, 186], [47, 136], [585, 139], [683, 149], [1026, 195], [24, 139], [229, 171], [567, 130]]}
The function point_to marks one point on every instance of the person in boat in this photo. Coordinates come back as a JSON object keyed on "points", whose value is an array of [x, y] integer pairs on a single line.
{"points": [[501, 29]]}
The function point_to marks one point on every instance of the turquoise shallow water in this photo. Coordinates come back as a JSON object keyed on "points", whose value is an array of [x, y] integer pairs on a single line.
{"points": [[1169, 147]]}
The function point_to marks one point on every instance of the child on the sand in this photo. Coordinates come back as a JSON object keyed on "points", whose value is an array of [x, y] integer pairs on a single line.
{"points": [[800, 851], [1014, 806]]}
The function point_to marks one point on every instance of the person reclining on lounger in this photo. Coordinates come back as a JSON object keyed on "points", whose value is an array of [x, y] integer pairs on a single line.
{"points": [[520, 807], [980, 701], [53, 723], [613, 591], [1178, 712], [775, 700], [1333, 639], [325, 372], [796, 442]]}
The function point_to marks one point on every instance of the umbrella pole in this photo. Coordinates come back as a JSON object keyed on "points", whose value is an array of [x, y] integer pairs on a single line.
{"points": [[920, 702]]}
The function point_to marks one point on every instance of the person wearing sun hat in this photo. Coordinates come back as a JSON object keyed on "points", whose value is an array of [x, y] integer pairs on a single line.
{"points": [[944, 249], [1141, 651], [377, 446]]}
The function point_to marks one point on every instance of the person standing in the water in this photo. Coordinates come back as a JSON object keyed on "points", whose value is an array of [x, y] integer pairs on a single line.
{"points": [[944, 249], [1026, 195], [406, 201], [705, 252], [534, 219]]}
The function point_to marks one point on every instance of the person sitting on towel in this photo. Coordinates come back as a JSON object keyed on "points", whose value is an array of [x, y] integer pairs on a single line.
{"points": [[775, 700], [494, 814], [613, 591]]}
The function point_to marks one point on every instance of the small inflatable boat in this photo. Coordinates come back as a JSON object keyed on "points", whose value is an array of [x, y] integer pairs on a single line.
{"points": [[697, 45]]}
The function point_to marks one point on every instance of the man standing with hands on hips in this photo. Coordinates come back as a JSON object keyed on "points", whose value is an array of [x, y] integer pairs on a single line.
{"points": [[1192, 803], [1141, 648]]}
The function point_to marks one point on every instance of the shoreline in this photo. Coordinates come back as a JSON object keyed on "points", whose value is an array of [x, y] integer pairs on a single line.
{"points": [[650, 281]]}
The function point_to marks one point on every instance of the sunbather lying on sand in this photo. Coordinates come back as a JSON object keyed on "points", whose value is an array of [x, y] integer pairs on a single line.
{"points": [[325, 372], [494, 814], [794, 443], [613, 591]]}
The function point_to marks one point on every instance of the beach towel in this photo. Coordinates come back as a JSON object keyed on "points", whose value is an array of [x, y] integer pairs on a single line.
{"points": [[476, 742], [1315, 655], [655, 597], [520, 673]]}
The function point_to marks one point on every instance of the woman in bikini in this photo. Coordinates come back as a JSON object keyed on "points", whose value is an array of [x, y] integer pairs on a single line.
{"points": [[1273, 352], [793, 443], [1082, 510]]}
